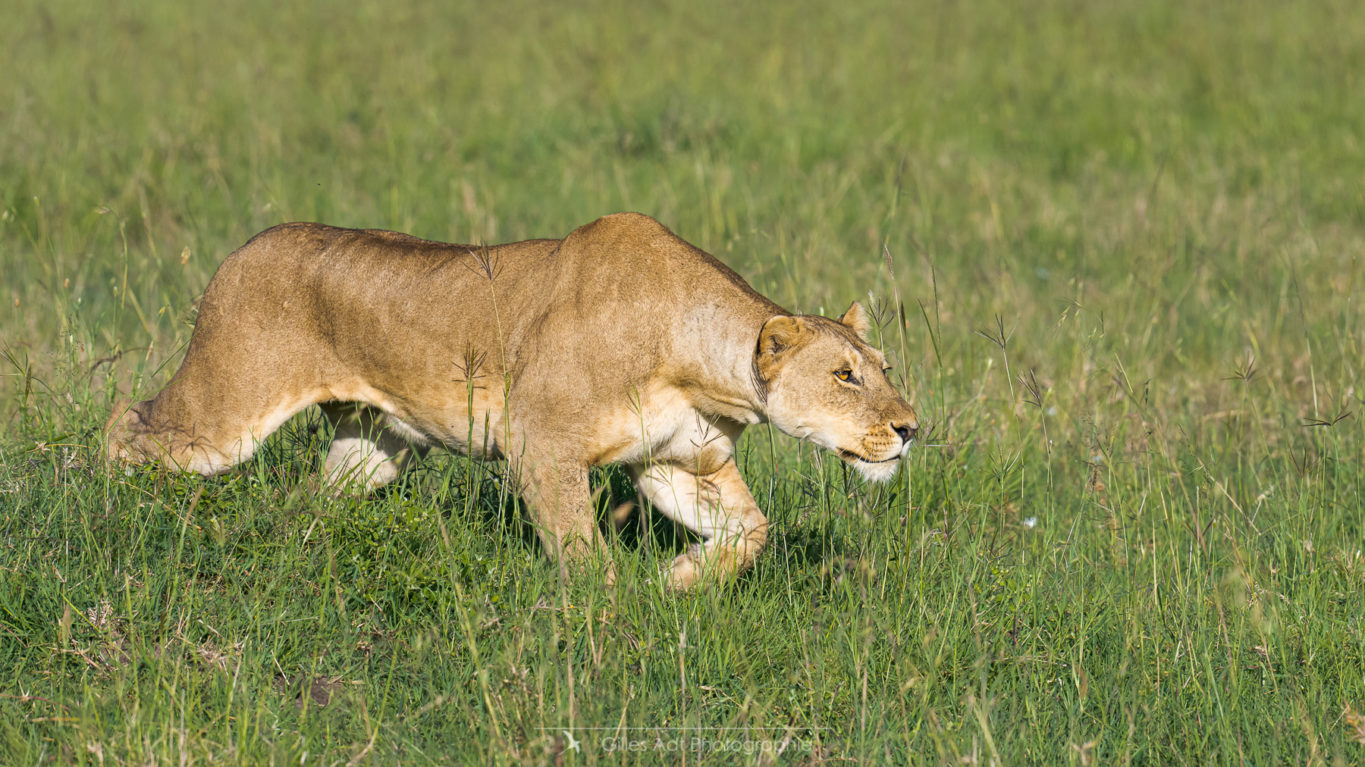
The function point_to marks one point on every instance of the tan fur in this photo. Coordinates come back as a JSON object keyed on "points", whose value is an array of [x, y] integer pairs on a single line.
{"points": [[618, 343]]}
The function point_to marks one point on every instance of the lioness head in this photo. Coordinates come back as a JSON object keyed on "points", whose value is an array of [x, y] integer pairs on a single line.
{"points": [[825, 384]]}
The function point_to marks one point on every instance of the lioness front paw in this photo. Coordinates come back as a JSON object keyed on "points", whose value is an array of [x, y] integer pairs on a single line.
{"points": [[589, 567]]}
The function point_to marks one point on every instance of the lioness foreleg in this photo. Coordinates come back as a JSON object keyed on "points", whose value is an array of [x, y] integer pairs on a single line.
{"points": [[560, 505], [716, 505]]}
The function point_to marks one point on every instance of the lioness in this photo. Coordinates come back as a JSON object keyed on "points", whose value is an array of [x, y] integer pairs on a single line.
{"points": [[619, 343]]}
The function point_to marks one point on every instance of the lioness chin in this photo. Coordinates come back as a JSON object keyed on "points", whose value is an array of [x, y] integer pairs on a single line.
{"points": [[620, 343]]}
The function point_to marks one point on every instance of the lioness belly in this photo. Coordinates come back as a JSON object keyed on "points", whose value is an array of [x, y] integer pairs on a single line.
{"points": [[480, 433], [469, 421]]}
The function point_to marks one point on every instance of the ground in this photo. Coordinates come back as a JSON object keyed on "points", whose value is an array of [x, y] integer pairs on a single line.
{"points": [[1116, 255]]}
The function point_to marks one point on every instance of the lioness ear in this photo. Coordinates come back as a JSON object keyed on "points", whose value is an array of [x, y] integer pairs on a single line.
{"points": [[856, 318], [779, 334]]}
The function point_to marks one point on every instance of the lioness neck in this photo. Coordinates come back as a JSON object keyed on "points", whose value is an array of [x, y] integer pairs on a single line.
{"points": [[716, 344]]}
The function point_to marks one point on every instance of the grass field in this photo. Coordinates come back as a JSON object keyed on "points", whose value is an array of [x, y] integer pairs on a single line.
{"points": [[1117, 254]]}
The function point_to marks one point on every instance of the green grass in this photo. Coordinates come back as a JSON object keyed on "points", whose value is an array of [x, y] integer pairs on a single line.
{"points": [[1117, 254]]}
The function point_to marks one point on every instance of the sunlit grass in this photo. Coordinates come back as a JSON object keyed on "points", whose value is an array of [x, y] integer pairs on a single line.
{"points": [[1115, 252]]}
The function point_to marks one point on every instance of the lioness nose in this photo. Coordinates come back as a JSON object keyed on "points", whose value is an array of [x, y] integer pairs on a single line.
{"points": [[906, 431]]}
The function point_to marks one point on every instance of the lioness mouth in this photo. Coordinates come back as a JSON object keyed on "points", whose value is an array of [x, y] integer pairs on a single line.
{"points": [[850, 455]]}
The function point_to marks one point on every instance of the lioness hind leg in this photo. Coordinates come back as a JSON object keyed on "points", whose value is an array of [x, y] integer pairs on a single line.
{"points": [[218, 406], [137, 433], [716, 505], [252, 363], [185, 433], [364, 451]]}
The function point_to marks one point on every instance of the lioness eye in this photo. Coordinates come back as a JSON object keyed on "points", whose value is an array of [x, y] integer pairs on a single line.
{"points": [[844, 375]]}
